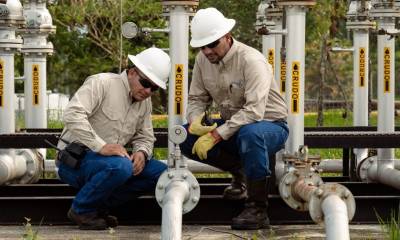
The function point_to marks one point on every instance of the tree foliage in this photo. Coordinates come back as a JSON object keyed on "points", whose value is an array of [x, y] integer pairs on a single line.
{"points": [[88, 40]]}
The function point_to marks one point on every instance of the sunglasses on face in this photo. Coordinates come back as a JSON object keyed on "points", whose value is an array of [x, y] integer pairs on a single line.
{"points": [[147, 84], [211, 45]]}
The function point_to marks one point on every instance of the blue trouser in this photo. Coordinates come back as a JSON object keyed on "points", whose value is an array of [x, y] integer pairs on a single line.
{"points": [[252, 145], [107, 181]]}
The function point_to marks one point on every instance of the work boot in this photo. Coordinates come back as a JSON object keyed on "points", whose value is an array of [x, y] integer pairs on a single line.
{"points": [[227, 162], [87, 221], [112, 221], [254, 216], [238, 189]]}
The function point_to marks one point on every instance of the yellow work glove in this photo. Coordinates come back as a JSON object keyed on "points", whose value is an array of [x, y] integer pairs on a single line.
{"points": [[203, 145], [196, 128]]}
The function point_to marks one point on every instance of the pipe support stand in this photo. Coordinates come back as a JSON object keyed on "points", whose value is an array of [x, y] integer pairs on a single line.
{"points": [[184, 175], [328, 189]]}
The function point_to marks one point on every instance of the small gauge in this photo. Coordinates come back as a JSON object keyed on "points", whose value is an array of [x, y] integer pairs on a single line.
{"points": [[129, 30]]}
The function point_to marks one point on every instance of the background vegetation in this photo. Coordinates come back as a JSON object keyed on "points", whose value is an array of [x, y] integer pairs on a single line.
{"points": [[88, 40]]}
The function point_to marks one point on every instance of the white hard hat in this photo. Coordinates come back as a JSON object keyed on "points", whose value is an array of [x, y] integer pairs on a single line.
{"points": [[155, 64], [208, 25]]}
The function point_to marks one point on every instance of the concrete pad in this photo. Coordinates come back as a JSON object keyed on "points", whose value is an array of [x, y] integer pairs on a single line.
{"points": [[192, 232]]}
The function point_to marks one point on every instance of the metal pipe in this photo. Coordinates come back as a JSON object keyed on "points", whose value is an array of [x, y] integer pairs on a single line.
{"points": [[178, 13], [177, 192], [385, 15], [335, 218], [35, 49], [295, 19]]}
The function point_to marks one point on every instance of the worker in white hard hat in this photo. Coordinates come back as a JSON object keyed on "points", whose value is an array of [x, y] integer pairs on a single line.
{"points": [[106, 113], [239, 81]]}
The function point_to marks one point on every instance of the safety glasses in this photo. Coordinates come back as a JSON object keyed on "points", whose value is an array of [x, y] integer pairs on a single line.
{"points": [[211, 45], [146, 82]]}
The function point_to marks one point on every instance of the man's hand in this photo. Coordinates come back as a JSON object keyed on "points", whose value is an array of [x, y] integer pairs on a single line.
{"points": [[205, 143], [138, 162], [196, 128], [111, 149]]}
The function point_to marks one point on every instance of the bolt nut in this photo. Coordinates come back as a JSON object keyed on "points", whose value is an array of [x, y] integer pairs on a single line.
{"points": [[319, 192], [346, 193], [160, 186], [184, 175], [195, 199], [287, 182], [371, 160], [195, 185], [170, 175]]}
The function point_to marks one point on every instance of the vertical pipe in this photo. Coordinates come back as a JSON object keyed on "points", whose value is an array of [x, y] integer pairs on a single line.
{"points": [[295, 16], [35, 92], [386, 58], [360, 84], [278, 46], [178, 81], [7, 113], [176, 194], [268, 45], [336, 219]]}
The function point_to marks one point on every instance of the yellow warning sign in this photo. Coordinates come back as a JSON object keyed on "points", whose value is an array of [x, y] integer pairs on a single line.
{"points": [[35, 84], [271, 58], [1, 83], [361, 55], [295, 96], [178, 89], [386, 69], [283, 76]]}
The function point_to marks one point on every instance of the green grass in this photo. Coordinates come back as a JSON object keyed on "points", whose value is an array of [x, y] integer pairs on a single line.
{"points": [[390, 227]]}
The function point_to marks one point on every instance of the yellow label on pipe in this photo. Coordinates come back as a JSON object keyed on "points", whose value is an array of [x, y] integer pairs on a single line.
{"points": [[271, 58], [178, 89], [1, 83], [386, 69], [362, 67], [295, 96], [283, 77], [35, 84]]}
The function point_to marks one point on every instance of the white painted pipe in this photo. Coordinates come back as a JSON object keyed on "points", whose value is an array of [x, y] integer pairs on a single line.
{"points": [[278, 58], [360, 85], [296, 20], [386, 60], [7, 113], [335, 218], [178, 80], [177, 193], [35, 92], [387, 174]]}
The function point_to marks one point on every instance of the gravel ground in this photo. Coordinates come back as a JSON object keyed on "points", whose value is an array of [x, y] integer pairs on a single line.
{"points": [[195, 232]]}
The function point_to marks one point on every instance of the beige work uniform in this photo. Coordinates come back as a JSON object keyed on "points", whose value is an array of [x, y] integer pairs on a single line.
{"points": [[102, 111], [241, 85]]}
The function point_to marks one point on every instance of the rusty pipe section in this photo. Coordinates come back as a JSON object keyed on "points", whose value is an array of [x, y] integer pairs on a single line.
{"points": [[302, 189]]}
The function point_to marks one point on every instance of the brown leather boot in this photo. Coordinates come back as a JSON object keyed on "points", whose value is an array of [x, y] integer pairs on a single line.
{"points": [[87, 221], [254, 216]]}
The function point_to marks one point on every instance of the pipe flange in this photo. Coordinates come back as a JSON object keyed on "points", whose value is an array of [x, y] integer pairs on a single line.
{"points": [[286, 188], [189, 5], [325, 190], [34, 165], [179, 175], [364, 166]]}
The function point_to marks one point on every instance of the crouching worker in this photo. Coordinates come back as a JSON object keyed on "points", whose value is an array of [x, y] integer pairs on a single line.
{"points": [[107, 112], [238, 79]]}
